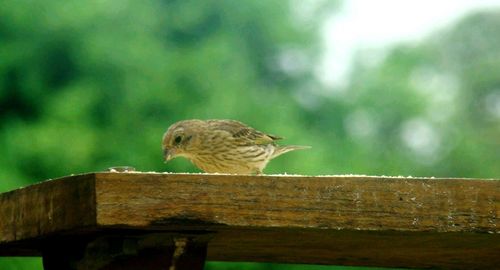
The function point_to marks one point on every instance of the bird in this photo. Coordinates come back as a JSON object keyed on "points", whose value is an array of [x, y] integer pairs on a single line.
{"points": [[222, 146]]}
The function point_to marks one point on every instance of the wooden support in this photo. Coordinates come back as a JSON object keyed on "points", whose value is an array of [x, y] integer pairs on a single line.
{"points": [[154, 251], [174, 221]]}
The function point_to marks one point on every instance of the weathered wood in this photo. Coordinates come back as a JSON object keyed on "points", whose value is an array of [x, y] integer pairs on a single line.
{"points": [[345, 220], [51, 206]]}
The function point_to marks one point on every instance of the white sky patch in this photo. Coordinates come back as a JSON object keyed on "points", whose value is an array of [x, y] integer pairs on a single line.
{"points": [[363, 24]]}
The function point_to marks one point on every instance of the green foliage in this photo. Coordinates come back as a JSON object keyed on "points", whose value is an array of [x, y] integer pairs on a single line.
{"points": [[446, 89], [20, 263], [87, 85], [90, 85]]}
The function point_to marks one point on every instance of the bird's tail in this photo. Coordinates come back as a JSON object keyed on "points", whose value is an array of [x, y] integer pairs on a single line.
{"points": [[280, 150]]}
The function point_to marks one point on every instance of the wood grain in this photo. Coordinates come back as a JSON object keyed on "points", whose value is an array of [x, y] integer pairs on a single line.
{"points": [[344, 220], [52, 206]]}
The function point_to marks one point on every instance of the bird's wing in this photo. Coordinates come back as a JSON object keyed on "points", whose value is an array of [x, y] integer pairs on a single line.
{"points": [[242, 131]]}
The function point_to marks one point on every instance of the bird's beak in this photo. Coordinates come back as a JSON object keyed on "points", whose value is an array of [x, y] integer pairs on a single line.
{"points": [[168, 154]]}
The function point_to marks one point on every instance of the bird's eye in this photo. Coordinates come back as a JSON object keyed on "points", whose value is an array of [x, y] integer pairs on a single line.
{"points": [[177, 139]]}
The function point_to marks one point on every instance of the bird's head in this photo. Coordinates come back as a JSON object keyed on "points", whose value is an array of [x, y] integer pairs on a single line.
{"points": [[179, 138]]}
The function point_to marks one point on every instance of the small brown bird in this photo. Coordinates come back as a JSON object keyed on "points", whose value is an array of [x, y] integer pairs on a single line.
{"points": [[222, 146]]}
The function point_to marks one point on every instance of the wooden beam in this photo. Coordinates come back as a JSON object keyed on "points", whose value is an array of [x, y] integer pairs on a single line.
{"points": [[153, 251], [48, 207], [343, 220]]}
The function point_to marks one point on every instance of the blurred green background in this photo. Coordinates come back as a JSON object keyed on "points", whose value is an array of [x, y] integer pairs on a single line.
{"points": [[87, 85]]}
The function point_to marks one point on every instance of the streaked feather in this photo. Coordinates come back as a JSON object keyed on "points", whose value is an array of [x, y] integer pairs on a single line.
{"points": [[223, 146]]}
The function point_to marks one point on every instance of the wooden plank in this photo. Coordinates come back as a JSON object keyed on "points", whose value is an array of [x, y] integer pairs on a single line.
{"points": [[358, 248], [357, 203], [52, 206], [346, 220]]}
